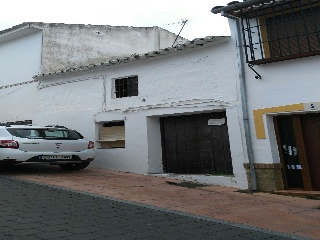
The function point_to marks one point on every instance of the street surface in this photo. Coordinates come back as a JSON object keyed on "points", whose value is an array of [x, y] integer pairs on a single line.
{"points": [[30, 211]]}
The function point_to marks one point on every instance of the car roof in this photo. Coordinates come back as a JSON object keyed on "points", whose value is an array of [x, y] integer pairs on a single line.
{"points": [[28, 124], [36, 127], [25, 126]]}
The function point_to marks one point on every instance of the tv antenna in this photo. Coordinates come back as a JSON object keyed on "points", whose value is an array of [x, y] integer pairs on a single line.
{"points": [[183, 23]]}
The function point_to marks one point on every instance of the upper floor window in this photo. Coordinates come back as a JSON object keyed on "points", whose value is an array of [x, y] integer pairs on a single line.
{"points": [[126, 87], [281, 31]]}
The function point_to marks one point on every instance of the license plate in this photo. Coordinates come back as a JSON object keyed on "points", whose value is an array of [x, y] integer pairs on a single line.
{"points": [[54, 157]]}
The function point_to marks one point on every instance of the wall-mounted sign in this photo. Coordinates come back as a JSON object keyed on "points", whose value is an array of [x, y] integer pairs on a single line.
{"points": [[312, 106], [216, 122]]}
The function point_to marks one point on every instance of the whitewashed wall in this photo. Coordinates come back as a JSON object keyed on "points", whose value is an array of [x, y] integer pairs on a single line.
{"points": [[20, 59], [283, 83], [72, 105], [73, 45], [198, 81], [31, 48]]}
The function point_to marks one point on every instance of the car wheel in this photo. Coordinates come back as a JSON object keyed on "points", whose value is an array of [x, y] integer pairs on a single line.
{"points": [[74, 166]]}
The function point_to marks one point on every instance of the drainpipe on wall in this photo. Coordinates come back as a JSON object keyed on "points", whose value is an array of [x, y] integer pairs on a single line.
{"points": [[104, 103], [243, 94]]}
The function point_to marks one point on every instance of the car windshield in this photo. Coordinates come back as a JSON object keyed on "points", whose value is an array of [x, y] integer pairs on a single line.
{"points": [[45, 133]]}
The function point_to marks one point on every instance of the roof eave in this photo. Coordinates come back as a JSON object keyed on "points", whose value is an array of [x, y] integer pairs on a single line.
{"points": [[234, 6], [17, 32]]}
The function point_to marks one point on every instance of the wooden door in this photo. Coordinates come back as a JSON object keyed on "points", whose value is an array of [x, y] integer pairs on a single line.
{"points": [[196, 144], [288, 151], [310, 125], [298, 139]]}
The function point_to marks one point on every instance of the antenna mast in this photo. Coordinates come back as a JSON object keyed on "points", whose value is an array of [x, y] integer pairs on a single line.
{"points": [[184, 21]]}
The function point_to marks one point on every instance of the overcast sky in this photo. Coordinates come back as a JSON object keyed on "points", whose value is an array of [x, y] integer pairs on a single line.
{"points": [[167, 14]]}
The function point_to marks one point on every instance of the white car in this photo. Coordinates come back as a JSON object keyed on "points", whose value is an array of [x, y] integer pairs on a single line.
{"points": [[25, 143]]}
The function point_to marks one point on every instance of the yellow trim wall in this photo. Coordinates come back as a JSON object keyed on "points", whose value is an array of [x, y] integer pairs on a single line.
{"points": [[258, 116]]}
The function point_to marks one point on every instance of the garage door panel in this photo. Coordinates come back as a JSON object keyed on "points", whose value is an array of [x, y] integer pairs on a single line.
{"points": [[199, 147]]}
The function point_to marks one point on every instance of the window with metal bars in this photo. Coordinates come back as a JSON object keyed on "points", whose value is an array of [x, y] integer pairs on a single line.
{"points": [[287, 30], [126, 87]]}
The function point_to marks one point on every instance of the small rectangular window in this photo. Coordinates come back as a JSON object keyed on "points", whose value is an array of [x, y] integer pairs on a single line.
{"points": [[126, 87]]}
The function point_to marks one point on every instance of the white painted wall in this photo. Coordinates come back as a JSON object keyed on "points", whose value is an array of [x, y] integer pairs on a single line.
{"points": [[72, 45], [72, 105], [20, 59], [31, 48], [283, 83], [191, 82]]}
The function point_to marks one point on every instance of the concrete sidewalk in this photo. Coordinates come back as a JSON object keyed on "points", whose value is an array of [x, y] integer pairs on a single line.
{"points": [[293, 215]]}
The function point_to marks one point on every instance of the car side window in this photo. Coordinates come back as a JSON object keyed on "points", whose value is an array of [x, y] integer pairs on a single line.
{"points": [[23, 133], [33, 134], [49, 134], [54, 134]]}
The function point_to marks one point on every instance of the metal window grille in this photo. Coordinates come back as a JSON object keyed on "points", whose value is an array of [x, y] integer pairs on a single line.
{"points": [[126, 87], [286, 30]]}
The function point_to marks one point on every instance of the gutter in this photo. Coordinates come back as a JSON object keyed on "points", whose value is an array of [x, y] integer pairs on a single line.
{"points": [[243, 92]]}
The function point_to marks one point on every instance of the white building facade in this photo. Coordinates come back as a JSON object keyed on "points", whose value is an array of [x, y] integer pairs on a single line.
{"points": [[29, 49], [177, 110], [279, 61]]}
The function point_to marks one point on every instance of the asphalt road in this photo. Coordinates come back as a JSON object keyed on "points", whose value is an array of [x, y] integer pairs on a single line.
{"points": [[34, 211]]}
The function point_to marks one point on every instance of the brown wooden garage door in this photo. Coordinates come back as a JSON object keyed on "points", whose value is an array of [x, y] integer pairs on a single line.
{"points": [[196, 144]]}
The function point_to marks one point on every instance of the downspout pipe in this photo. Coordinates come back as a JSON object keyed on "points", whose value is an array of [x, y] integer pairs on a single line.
{"points": [[243, 93]]}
